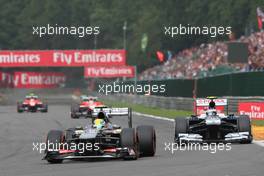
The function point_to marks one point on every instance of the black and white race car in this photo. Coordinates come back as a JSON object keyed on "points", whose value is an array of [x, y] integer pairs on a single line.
{"points": [[212, 125], [101, 139]]}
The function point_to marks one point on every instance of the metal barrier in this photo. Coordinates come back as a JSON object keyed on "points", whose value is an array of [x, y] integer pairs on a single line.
{"points": [[177, 103], [235, 84]]}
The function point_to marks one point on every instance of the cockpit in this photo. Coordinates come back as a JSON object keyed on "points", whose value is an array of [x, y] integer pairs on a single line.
{"points": [[211, 112]]}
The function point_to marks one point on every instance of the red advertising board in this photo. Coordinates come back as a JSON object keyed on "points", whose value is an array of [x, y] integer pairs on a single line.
{"points": [[109, 72], [38, 79], [201, 105], [255, 110], [62, 58], [202, 109], [6, 80]]}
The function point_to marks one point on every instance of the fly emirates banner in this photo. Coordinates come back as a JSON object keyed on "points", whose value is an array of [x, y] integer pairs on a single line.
{"points": [[32, 79], [38, 79], [62, 58]]}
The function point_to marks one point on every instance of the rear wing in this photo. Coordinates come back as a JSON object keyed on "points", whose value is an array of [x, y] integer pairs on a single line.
{"points": [[84, 97], [94, 98], [115, 112], [31, 96], [202, 104]]}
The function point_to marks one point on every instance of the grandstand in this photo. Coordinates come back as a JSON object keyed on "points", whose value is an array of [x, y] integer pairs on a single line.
{"points": [[208, 60]]}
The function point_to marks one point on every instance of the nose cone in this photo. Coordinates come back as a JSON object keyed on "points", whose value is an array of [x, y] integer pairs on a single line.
{"points": [[32, 103]]}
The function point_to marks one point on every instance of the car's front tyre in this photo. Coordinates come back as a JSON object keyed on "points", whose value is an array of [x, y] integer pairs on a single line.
{"points": [[20, 108], [54, 139], [181, 126], [146, 140], [128, 139], [244, 125]]}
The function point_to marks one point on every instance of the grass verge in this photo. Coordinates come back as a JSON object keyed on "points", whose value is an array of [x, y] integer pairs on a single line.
{"points": [[258, 122], [169, 113]]}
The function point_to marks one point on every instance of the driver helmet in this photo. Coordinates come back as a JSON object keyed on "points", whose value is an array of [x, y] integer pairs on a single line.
{"points": [[99, 123], [30, 95], [212, 105], [100, 120]]}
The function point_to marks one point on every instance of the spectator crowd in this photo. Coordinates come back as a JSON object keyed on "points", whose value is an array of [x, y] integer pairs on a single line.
{"points": [[208, 59]]}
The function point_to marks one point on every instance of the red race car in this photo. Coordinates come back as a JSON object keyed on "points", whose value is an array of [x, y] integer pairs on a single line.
{"points": [[85, 107], [31, 103]]}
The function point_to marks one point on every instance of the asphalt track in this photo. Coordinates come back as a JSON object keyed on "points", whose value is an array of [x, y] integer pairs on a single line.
{"points": [[19, 131]]}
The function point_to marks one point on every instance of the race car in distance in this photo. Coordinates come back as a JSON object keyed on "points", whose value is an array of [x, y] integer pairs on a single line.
{"points": [[85, 107], [31, 103], [101, 139], [210, 124]]}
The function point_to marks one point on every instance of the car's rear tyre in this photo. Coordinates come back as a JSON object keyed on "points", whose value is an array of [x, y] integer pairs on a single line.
{"points": [[74, 109], [54, 137], [128, 139], [89, 113], [244, 125], [146, 140], [69, 134], [181, 126]]}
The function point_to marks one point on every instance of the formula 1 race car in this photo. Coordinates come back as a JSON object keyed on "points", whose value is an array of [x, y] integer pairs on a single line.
{"points": [[101, 139], [210, 124], [31, 103], [85, 107]]}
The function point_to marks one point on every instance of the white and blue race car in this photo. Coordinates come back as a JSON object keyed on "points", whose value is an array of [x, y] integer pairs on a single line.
{"points": [[212, 125]]}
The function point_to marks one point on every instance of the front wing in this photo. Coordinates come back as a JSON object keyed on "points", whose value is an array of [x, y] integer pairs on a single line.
{"points": [[108, 153], [29, 109], [230, 137]]}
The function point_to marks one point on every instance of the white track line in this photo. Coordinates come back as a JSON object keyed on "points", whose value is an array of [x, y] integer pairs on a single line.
{"points": [[153, 116], [260, 143]]}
